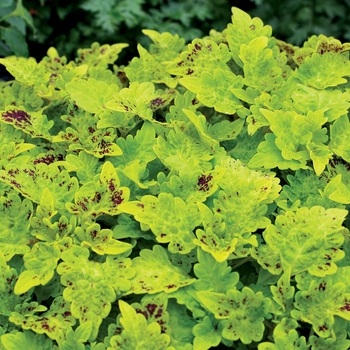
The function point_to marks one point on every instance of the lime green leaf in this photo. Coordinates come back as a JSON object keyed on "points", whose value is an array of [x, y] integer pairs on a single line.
{"points": [[165, 46], [212, 275], [243, 30], [186, 101], [138, 174], [11, 150], [213, 90], [181, 325], [154, 308], [33, 123], [134, 99], [206, 335], [91, 94], [8, 278], [40, 265], [241, 313], [26, 340], [146, 68], [246, 145], [306, 188], [138, 148], [91, 286], [183, 153], [25, 70], [285, 337], [99, 55], [102, 196], [334, 103], [196, 186], [31, 182], [170, 219], [283, 293], [216, 239], [340, 132], [74, 339], [268, 258], [270, 156], [15, 216], [226, 130], [261, 70], [322, 71], [85, 165], [136, 333], [155, 273], [43, 227], [339, 191], [54, 322], [201, 55], [293, 131], [338, 341], [87, 137], [320, 155], [202, 126], [101, 241], [320, 303], [308, 239], [243, 185]]}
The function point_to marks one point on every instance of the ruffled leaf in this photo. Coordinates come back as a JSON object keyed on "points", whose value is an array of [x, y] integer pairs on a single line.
{"points": [[201, 55], [192, 187], [243, 30], [99, 55], [183, 153], [241, 313], [25, 70], [136, 333], [308, 239], [26, 340], [15, 234], [91, 95], [334, 103], [212, 275], [102, 196], [31, 182], [54, 322], [8, 279], [340, 132], [33, 123], [320, 303], [170, 219], [322, 71], [260, 66], [213, 90], [101, 241], [40, 264], [91, 286], [155, 273], [146, 68], [269, 156]]}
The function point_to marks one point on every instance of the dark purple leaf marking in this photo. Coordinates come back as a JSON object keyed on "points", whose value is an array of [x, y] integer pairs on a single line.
{"points": [[151, 308], [17, 116], [203, 182]]}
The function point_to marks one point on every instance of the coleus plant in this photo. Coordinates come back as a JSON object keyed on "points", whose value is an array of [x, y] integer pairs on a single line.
{"points": [[196, 197]]}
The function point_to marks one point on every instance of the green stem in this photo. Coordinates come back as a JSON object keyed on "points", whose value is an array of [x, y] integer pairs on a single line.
{"points": [[243, 261]]}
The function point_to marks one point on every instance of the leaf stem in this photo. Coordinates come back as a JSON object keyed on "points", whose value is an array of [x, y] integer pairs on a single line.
{"points": [[243, 261]]}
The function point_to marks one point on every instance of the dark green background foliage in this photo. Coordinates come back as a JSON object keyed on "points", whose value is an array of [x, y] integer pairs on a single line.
{"points": [[30, 29]]}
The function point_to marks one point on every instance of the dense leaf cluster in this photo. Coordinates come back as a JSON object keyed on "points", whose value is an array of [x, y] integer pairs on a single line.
{"points": [[196, 196]]}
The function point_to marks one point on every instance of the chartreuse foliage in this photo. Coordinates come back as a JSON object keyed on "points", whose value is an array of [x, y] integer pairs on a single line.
{"points": [[196, 197]]}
